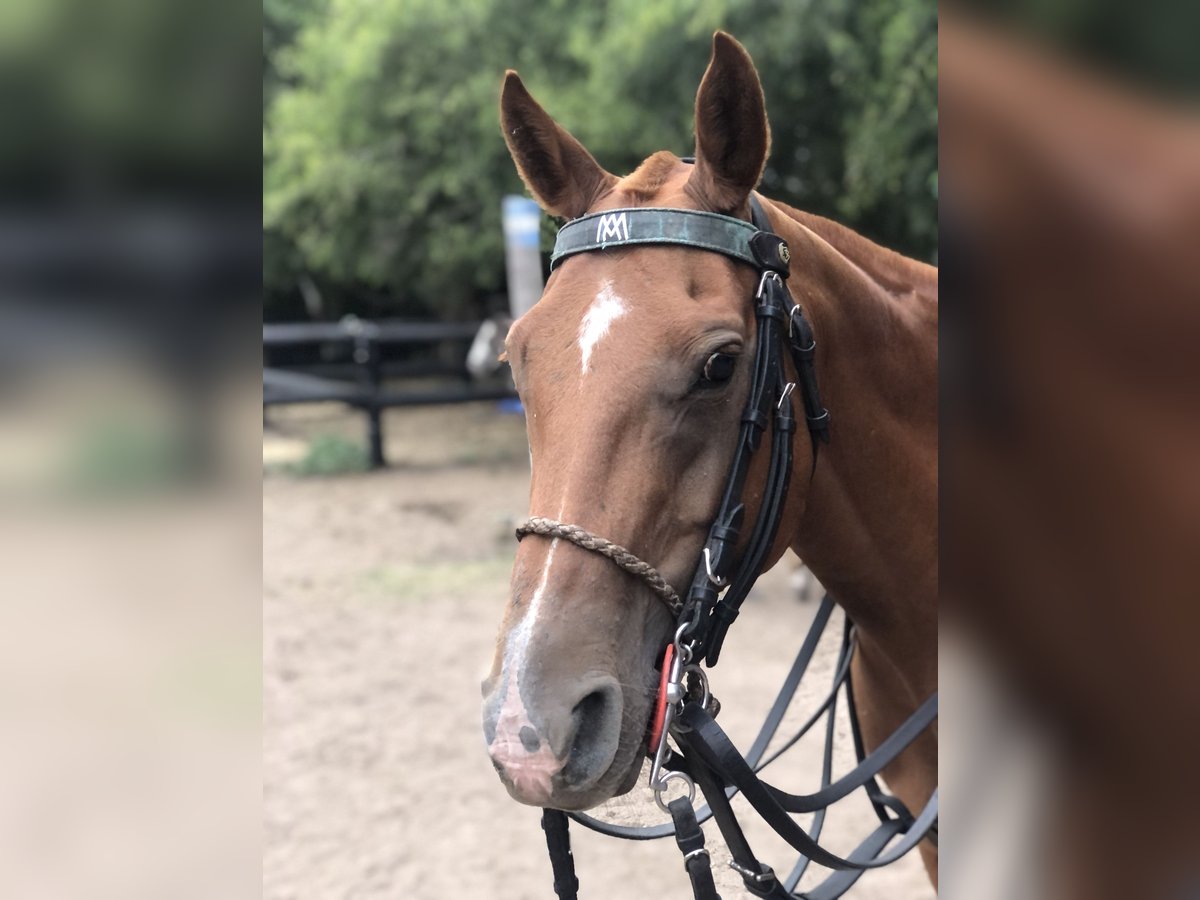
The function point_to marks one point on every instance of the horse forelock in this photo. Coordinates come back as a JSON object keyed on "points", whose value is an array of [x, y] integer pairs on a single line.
{"points": [[648, 179]]}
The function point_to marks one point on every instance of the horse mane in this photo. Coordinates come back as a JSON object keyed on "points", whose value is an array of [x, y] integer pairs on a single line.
{"points": [[895, 273]]}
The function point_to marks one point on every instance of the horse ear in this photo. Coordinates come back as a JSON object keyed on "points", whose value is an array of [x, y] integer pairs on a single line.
{"points": [[732, 135], [562, 176]]}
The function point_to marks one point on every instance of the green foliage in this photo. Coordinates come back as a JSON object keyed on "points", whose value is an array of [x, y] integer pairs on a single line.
{"points": [[384, 165], [282, 22], [330, 454]]}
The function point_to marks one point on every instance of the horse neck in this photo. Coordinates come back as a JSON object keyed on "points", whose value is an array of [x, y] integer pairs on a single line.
{"points": [[868, 528]]}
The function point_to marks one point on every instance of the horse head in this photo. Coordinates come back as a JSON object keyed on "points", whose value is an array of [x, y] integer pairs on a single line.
{"points": [[633, 369]]}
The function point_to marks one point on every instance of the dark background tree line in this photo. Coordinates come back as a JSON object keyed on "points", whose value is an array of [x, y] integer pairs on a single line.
{"points": [[384, 165]]}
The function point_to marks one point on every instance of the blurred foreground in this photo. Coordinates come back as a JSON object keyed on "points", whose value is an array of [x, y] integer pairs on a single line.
{"points": [[1071, 503], [130, 626]]}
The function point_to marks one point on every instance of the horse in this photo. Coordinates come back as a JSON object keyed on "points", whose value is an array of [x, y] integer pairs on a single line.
{"points": [[633, 369]]}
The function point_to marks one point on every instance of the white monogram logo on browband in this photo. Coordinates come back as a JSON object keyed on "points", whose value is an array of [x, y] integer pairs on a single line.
{"points": [[612, 227]]}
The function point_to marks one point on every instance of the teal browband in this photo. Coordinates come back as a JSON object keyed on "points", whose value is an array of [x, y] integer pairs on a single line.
{"points": [[653, 225]]}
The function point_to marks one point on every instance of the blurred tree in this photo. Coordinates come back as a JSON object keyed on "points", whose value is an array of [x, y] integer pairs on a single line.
{"points": [[384, 165], [290, 289], [282, 21]]}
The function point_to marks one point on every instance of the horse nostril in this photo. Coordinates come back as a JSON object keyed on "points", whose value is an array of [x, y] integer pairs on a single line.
{"points": [[589, 713], [530, 739], [597, 722]]}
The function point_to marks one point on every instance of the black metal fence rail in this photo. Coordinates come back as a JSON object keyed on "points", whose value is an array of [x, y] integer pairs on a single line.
{"points": [[366, 392], [388, 331]]}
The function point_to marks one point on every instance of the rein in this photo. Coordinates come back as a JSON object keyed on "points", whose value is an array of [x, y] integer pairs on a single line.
{"points": [[719, 586]]}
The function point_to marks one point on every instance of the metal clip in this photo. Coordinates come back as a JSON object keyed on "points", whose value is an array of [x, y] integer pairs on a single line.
{"points": [[661, 787], [681, 664], [787, 392], [792, 318], [762, 282], [719, 582], [675, 693], [765, 874], [683, 652]]}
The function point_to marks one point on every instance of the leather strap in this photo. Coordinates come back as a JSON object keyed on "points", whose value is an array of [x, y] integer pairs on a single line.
{"points": [[616, 228], [715, 751], [759, 879], [781, 322], [719, 784], [690, 839], [562, 861]]}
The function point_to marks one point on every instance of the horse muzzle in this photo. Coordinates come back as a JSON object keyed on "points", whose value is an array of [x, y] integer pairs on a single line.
{"points": [[557, 750]]}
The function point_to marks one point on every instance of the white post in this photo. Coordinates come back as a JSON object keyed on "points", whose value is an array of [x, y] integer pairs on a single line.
{"points": [[522, 221]]}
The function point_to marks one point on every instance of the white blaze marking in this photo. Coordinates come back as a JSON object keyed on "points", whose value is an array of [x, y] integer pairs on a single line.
{"points": [[518, 641], [605, 309], [531, 773], [526, 627]]}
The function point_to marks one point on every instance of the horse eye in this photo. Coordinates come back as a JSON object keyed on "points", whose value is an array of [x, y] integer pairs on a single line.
{"points": [[719, 367]]}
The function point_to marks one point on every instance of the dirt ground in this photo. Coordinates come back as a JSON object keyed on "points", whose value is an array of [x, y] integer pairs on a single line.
{"points": [[381, 597]]}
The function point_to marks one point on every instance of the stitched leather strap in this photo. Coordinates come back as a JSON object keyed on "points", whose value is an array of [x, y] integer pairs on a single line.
{"points": [[654, 225]]}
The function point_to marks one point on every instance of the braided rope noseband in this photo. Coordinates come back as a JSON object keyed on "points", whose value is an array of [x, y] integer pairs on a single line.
{"points": [[615, 552]]}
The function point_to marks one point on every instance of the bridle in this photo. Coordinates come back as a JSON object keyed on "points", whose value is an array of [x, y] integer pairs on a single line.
{"points": [[779, 319], [718, 588]]}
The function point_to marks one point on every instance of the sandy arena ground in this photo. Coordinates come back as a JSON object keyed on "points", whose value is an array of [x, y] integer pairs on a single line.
{"points": [[382, 594]]}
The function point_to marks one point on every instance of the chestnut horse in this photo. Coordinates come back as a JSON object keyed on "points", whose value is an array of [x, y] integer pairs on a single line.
{"points": [[633, 369]]}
